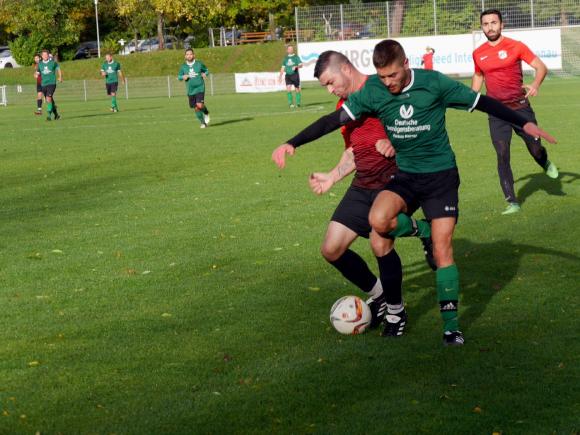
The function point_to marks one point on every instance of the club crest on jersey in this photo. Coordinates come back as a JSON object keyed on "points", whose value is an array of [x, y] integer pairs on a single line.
{"points": [[502, 54], [406, 112]]}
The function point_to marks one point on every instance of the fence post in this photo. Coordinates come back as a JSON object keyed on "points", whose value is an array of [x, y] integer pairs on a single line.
{"points": [[211, 84], [388, 21], [211, 40], [532, 12], [168, 87], [296, 19], [85, 89], [435, 15], [482, 5], [341, 24], [126, 88]]}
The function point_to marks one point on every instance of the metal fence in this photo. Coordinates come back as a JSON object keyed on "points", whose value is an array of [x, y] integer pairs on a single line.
{"points": [[143, 87], [426, 17]]}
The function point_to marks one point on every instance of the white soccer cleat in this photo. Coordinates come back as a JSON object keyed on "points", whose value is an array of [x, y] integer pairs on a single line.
{"points": [[206, 118], [202, 126]]}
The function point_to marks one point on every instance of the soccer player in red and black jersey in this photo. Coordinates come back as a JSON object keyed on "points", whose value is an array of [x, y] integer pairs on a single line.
{"points": [[498, 62], [374, 169], [38, 110], [427, 59]]}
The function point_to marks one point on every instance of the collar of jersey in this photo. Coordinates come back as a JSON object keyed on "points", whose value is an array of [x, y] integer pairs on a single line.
{"points": [[187, 63], [410, 85]]}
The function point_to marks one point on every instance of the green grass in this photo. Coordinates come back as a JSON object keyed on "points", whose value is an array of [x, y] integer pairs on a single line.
{"points": [[242, 58], [159, 278]]}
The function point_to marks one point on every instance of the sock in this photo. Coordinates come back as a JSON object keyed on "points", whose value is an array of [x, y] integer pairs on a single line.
{"points": [[199, 115], [289, 95], [408, 226], [114, 101], [448, 294], [391, 277], [298, 98], [356, 270], [49, 107], [54, 108], [377, 290], [39, 104], [205, 111]]}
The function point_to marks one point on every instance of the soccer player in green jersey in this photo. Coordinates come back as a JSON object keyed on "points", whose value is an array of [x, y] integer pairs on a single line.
{"points": [[111, 71], [194, 72], [411, 104], [290, 66], [48, 70]]}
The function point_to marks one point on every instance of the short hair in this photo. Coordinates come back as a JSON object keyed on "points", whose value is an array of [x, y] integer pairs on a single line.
{"points": [[329, 59], [108, 53], [388, 52], [189, 49], [491, 12], [44, 50]]}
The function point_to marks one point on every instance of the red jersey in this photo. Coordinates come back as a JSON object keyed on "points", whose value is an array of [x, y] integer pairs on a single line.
{"points": [[38, 77], [428, 60], [373, 170], [501, 66]]}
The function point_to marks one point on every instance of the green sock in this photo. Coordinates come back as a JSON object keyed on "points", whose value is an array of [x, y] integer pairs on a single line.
{"points": [[289, 95], [405, 227], [447, 295], [49, 108], [114, 101], [298, 98], [199, 115]]}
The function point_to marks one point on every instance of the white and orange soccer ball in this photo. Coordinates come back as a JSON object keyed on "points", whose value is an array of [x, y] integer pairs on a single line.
{"points": [[350, 315]]}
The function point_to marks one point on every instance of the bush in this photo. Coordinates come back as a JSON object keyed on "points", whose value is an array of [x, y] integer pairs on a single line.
{"points": [[110, 45], [25, 47]]}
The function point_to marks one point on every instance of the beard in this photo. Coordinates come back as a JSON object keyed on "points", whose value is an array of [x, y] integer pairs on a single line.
{"points": [[494, 37]]}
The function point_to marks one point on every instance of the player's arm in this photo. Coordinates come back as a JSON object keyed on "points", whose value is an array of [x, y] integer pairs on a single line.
{"points": [[59, 73], [121, 76], [317, 129], [204, 71], [477, 81], [182, 75], [541, 71], [495, 108], [321, 182]]}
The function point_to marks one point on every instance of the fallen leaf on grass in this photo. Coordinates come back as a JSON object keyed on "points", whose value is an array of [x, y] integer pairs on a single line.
{"points": [[477, 410], [314, 289], [34, 256], [57, 251], [146, 272], [129, 271], [33, 364], [166, 315]]}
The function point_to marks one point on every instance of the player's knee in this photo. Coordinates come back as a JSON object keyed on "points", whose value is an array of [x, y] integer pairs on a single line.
{"points": [[381, 246], [381, 223], [443, 255], [502, 149], [331, 251]]}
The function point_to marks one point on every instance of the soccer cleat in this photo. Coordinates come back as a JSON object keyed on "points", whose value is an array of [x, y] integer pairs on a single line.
{"points": [[551, 170], [203, 126], [38, 112], [394, 324], [428, 251], [378, 309], [513, 207], [292, 106], [56, 116], [49, 118], [453, 338], [112, 109], [206, 118]]}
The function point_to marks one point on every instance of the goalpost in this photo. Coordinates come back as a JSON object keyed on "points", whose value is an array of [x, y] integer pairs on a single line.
{"points": [[3, 99]]}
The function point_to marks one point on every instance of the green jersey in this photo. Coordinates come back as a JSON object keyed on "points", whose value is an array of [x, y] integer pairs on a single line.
{"points": [[47, 71], [111, 71], [195, 84], [290, 62], [415, 118]]}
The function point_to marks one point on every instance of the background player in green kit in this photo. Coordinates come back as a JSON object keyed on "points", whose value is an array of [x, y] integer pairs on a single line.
{"points": [[111, 71], [411, 104], [290, 66], [194, 72], [48, 70]]}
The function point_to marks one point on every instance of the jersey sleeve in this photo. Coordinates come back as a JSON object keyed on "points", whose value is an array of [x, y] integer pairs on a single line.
{"points": [[180, 73], [525, 53], [118, 66], [56, 66], [456, 95], [357, 105], [203, 68], [476, 67]]}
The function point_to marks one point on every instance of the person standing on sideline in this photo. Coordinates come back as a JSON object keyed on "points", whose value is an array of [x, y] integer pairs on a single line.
{"points": [[48, 70], [427, 59], [111, 71], [290, 66], [193, 72], [38, 110], [498, 62]]}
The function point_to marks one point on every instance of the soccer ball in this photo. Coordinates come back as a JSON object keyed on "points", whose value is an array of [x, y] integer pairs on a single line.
{"points": [[350, 315]]}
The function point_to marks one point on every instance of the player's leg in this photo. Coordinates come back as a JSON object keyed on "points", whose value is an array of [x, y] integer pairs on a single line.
{"points": [[289, 87], [38, 100], [535, 148], [113, 93], [203, 107], [193, 105], [501, 135], [47, 91], [298, 94]]}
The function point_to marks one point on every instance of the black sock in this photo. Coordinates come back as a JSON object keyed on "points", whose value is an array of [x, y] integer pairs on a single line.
{"points": [[39, 103], [391, 277], [205, 110], [356, 270]]}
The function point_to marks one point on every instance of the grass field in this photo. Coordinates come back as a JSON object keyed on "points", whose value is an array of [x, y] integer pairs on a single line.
{"points": [[159, 278]]}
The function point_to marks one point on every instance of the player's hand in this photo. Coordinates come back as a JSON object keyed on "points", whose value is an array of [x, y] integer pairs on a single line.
{"points": [[536, 132], [385, 147], [279, 154], [320, 182], [531, 91], [185, 78]]}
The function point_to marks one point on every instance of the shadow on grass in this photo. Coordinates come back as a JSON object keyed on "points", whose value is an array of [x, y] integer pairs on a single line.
{"points": [[485, 269], [539, 181], [230, 121], [94, 115]]}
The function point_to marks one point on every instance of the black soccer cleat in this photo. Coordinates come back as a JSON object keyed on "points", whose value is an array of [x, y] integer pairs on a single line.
{"points": [[395, 324], [453, 338], [428, 251], [378, 309]]}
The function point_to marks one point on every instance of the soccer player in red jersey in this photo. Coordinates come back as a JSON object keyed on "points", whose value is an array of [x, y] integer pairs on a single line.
{"points": [[498, 62], [38, 110], [350, 219], [427, 59]]}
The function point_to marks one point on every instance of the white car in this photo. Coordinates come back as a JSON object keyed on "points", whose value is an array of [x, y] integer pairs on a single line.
{"points": [[131, 47], [7, 61]]}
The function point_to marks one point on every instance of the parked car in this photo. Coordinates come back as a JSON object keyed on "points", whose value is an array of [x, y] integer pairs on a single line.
{"points": [[188, 42], [131, 47], [152, 44], [86, 50], [6, 60]]}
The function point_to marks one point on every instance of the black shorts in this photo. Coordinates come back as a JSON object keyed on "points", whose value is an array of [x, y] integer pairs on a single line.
{"points": [[437, 193], [196, 99], [353, 210], [293, 79], [112, 88], [48, 90], [501, 131], [38, 87]]}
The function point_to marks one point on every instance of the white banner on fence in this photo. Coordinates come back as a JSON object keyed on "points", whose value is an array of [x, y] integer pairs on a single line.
{"points": [[452, 52], [259, 82]]}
